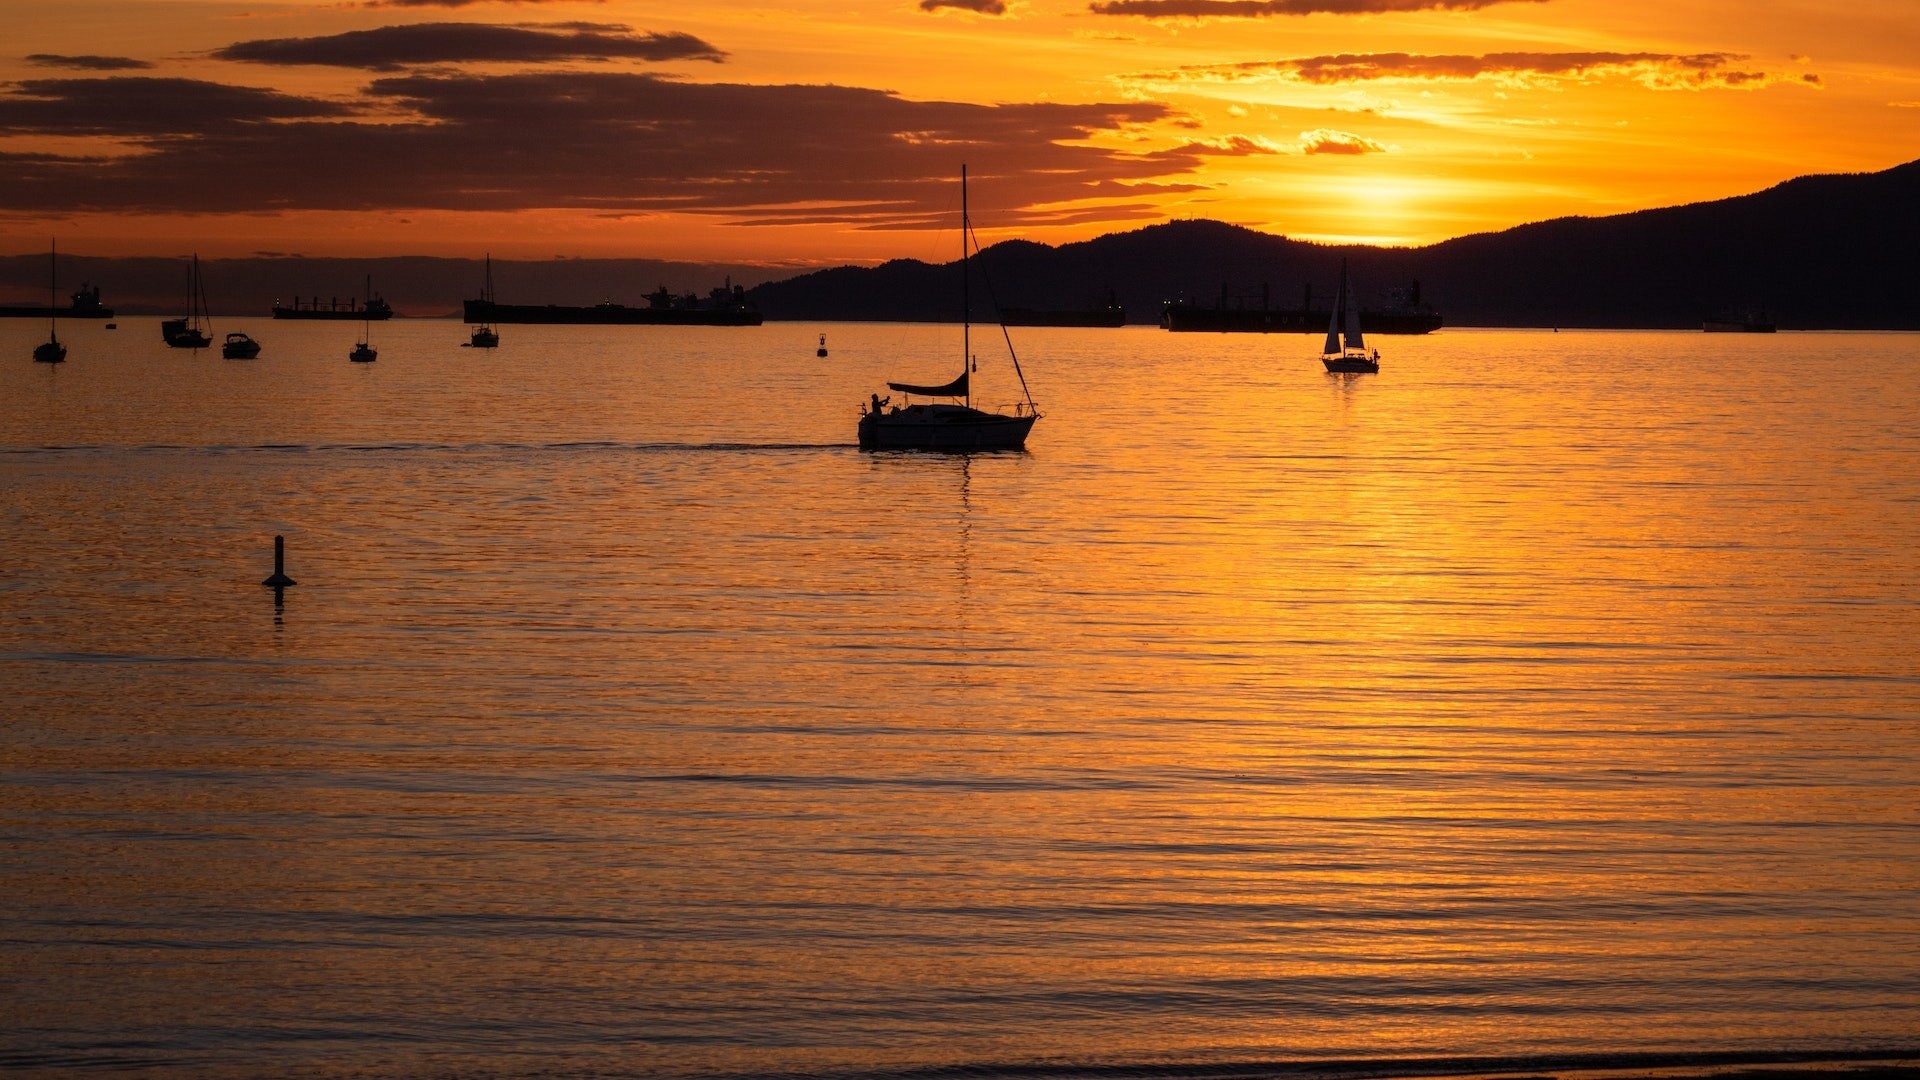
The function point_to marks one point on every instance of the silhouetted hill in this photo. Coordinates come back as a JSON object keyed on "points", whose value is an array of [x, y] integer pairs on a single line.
{"points": [[1816, 252]]}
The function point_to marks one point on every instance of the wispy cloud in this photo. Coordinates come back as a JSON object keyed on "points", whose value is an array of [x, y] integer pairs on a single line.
{"points": [[1256, 9], [1329, 141], [390, 48], [1229, 146], [87, 62], [978, 7], [143, 106], [1663, 71]]}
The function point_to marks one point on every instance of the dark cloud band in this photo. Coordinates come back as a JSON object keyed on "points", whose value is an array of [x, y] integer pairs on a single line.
{"points": [[391, 48], [604, 141], [979, 7], [1659, 70], [87, 62], [1255, 9], [141, 106]]}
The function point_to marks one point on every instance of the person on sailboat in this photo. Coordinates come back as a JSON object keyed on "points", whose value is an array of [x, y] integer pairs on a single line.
{"points": [[880, 403]]}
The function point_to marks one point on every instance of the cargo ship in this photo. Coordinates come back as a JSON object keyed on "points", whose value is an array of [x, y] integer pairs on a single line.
{"points": [[85, 305], [1402, 313], [375, 309], [727, 306], [1110, 313]]}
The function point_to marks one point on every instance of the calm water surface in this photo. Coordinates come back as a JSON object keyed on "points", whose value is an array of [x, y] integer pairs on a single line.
{"points": [[1546, 694]]}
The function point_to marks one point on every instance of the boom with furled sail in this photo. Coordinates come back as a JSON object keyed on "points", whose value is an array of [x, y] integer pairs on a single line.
{"points": [[945, 426]]}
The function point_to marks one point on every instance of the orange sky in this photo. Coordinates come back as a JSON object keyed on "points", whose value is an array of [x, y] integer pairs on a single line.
{"points": [[805, 131]]}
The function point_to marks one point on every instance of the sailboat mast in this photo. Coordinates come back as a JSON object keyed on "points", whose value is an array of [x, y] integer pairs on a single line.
{"points": [[366, 316], [1350, 314], [966, 301], [53, 288]]}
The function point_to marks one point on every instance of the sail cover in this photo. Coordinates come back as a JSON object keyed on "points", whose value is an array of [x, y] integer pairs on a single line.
{"points": [[956, 388]]}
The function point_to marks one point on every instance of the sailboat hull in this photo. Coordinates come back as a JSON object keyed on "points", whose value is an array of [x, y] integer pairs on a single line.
{"points": [[1351, 365], [952, 429], [176, 333], [51, 352]]}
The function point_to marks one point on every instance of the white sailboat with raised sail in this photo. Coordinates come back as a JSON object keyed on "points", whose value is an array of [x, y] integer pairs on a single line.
{"points": [[363, 352], [1345, 350], [944, 425], [51, 351]]}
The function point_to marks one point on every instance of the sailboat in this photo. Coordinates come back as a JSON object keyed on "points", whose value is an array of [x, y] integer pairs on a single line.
{"points": [[1345, 350], [51, 351], [364, 353], [190, 332], [485, 336], [946, 426]]}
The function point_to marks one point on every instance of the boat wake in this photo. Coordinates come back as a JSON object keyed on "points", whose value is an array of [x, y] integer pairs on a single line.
{"points": [[431, 448]]}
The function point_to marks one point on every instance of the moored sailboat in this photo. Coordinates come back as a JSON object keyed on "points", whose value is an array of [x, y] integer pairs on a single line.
{"points": [[363, 351], [51, 351], [1345, 351], [484, 335], [943, 425], [192, 332]]}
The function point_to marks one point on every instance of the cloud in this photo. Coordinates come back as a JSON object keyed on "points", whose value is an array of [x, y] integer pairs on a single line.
{"points": [[606, 142], [1662, 71], [981, 7], [1329, 141], [1228, 146], [143, 106], [1254, 9], [87, 62], [390, 48]]}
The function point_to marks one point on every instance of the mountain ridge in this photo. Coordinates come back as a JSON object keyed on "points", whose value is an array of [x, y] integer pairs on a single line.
{"points": [[1822, 251]]}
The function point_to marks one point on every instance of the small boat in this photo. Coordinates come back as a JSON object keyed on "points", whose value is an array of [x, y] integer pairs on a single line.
{"points": [[943, 425], [484, 335], [192, 331], [822, 350], [363, 352], [239, 346], [50, 351], [1744, 322], [1345, 351]]}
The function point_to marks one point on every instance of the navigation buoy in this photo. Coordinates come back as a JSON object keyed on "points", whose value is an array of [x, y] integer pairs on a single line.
{"points": [[279, 580], [822, 350]]}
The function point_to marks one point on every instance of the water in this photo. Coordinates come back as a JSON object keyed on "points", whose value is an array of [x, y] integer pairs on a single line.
{"points": [[1546, 695]]}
